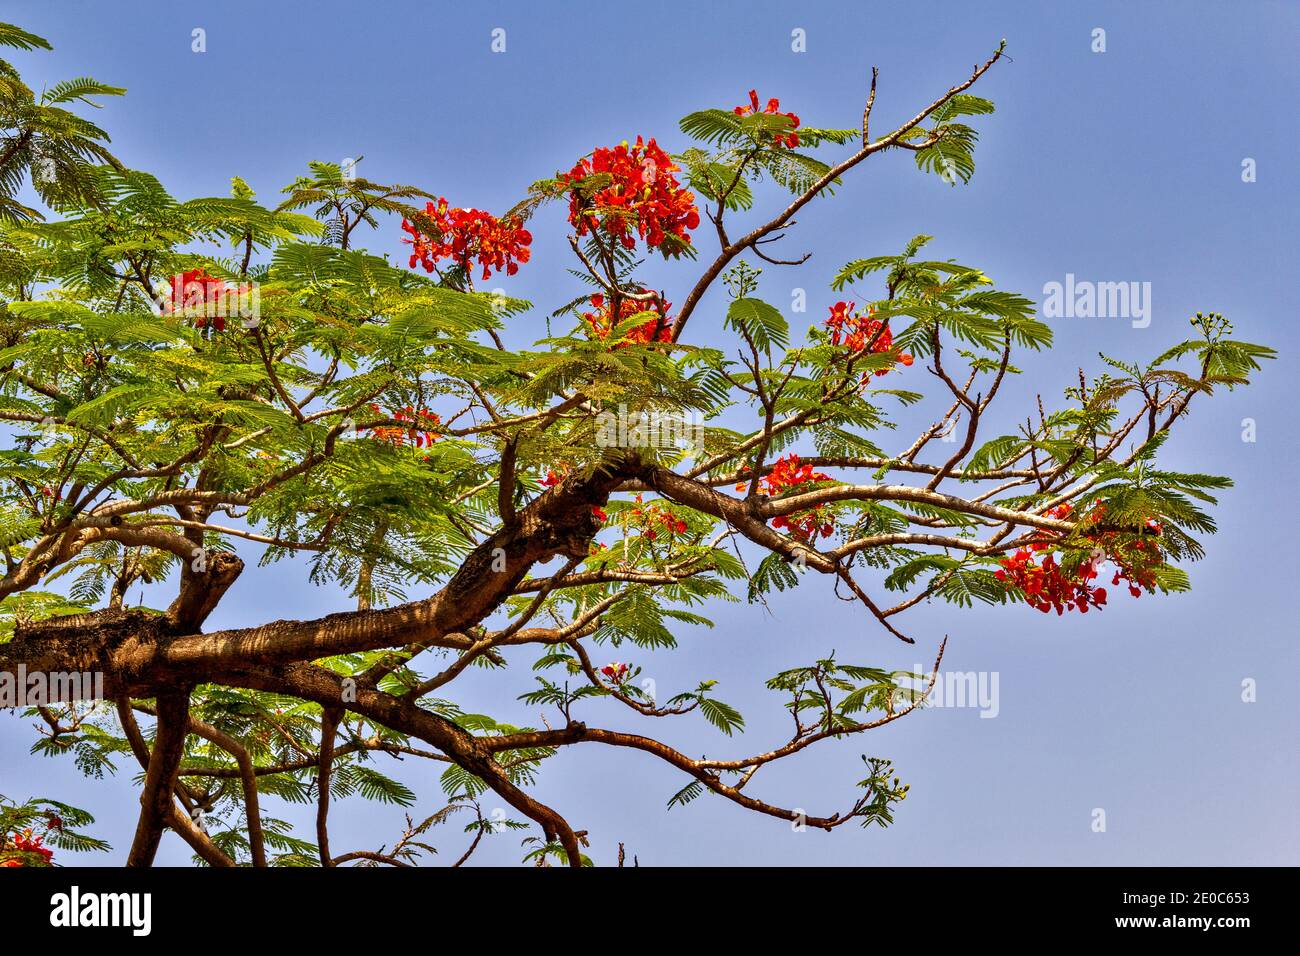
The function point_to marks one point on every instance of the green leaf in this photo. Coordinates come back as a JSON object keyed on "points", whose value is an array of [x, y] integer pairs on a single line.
{"points": [[19, 38], [762, 323], [723, 716]]}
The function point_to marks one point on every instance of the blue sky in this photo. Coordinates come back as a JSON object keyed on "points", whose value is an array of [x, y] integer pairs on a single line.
{"points": [[1117, 166]]}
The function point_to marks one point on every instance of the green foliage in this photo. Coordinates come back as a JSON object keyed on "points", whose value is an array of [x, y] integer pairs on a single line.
{"points": [[882, 791], [721, 715], [952, 144], [342, 200], [759, 322], [832, 697], [42, 142], [773, 571]]}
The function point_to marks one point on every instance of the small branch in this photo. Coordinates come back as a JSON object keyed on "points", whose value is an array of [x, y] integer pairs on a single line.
{"points": [[329, 723]]}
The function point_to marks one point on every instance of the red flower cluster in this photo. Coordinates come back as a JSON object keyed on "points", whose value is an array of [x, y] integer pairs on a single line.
{"points": [[199, 296], [422, 430], [1135, 559], [653, 519], [24, 842], [656, 329], [642, 192], [1061, 512], [616, 672], [466, 236], [789, 140], [1046, 586], [855, 331], [789, 473], [806, 527]]}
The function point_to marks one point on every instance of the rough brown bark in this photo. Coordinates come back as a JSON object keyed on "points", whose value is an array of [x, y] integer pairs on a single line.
{"points": [[156, 806]]}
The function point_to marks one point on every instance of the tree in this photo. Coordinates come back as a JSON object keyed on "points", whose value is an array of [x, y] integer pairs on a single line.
{"points": [[299, 397]]}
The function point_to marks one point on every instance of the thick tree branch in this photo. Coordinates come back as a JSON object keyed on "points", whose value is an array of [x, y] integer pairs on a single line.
{"points": [[156, 806]]}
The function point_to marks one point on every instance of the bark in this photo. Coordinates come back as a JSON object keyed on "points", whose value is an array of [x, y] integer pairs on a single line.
{"points": [[202, 591], [329, 724], [141, 654], [178, 820], [156, 806], [248, 777]]}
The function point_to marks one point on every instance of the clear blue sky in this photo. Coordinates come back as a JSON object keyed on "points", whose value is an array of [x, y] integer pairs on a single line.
{"points": [[1115, 166]]}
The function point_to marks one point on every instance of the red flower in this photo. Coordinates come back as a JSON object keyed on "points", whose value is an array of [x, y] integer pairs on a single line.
{"points": [[616, 672], [422, 430], [653, 518], [199, 296], [24, 842], [787, 473], [657, 328], [466, 236], [637, 190], [1047, 587], [855, 332], [789, 140]]}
